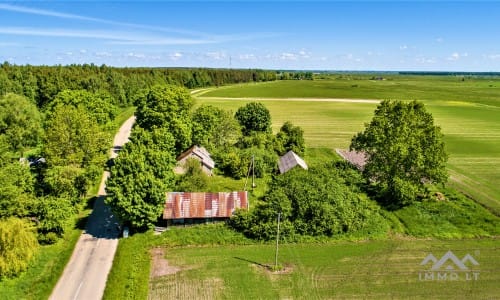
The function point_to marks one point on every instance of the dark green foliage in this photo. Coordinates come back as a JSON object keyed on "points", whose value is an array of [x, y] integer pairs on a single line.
{"points": [[214, 128], [18, 245], [20, 122], [66, 181], [405, 150], [194, 179], [254, 116], [53, 215], [167, 106], [99, 106], [141, 175], [74, 138], [317, 202], [290, 137]]}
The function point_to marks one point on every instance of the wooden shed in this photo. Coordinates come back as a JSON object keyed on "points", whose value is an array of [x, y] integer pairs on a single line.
{"points": [[199, 153], [289, 161]]}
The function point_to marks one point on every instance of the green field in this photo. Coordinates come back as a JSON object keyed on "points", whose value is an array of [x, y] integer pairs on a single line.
{"points": [[211, 262], [468, 113]]}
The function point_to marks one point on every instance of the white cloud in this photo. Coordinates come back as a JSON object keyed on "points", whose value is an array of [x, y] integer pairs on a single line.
{"points": [[492, 56], [247, 56], [175, 56], [103, 54], [136, 55], [456, 56], [403, 47], [425, 60], [439, 40], [216, 55], [83, 51], [288, 56]]}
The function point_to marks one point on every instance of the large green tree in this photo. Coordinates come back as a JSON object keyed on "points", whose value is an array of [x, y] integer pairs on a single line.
{"points": [[167, 106], [290, 137], [141, 175], [20, 122], [404, 150], [214, 128], [74, 138], [254, 116]]}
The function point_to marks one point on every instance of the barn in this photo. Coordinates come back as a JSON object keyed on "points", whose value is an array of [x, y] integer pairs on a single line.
{"points": [[203, 205]]}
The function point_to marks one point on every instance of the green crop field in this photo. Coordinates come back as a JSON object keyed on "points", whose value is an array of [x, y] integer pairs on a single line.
{"points": [[468, 113], [376, 270], [213, 262]]}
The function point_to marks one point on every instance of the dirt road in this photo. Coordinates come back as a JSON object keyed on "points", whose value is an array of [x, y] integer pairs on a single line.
{"points": [[87, 270]]}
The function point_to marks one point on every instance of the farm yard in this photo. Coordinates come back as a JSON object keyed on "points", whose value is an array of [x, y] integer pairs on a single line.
{"points": [[214, 262], [468, 113]]}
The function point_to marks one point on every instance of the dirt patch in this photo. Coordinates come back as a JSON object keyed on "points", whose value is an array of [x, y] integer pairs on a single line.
{"points": [[160, 266]]}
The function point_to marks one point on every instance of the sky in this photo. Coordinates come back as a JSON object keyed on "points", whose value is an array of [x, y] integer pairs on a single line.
{"points": [[307, 35]]}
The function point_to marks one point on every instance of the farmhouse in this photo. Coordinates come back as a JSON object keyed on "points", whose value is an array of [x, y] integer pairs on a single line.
{"points": [[202, 205], [289, 161], [199, 153]]}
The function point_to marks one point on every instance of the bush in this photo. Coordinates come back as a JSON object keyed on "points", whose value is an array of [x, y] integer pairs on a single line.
{"points": [[18, 245]]}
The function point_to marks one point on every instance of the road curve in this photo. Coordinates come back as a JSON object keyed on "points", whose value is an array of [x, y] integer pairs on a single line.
{"points": [[86, 273]]}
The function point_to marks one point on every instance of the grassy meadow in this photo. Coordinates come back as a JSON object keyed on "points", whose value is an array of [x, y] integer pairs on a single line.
{"points": [[467, 111]]}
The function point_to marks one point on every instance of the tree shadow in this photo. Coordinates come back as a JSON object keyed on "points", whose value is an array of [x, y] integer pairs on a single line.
{"points": [[252, 262]]}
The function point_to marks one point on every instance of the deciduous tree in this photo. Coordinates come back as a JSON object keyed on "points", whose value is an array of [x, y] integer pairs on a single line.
{"points": [[141, 176], [405, 150], [20, 122], [254, 116]]}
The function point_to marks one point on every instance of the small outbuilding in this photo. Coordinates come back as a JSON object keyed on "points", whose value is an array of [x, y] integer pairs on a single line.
{"points": [[199, 153], [357, 159], [289, 161]]}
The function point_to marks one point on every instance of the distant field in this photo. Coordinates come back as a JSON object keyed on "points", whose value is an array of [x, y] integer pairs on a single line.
{"points": [[375, 269], [441, 88], [471, 128]]}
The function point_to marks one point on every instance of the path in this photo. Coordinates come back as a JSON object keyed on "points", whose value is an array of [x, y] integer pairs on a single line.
{"points": [[86, 273], [343, 100]]}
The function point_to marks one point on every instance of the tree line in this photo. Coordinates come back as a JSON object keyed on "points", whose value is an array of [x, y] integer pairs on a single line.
{"points": [[40, 84]]}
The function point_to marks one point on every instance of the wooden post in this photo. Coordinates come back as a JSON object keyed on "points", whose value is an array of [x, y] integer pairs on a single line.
{"points": [[277, 243]]}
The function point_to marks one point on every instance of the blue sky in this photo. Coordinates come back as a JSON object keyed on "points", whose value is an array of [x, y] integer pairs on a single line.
{"points": [[327, 35]]}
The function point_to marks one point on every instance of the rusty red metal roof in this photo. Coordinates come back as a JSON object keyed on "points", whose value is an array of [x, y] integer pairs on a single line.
{"points": [[181, 205]]}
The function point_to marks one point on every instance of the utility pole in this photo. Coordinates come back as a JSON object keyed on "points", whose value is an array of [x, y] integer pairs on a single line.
{"points": [[253, 172], [277, 243]]}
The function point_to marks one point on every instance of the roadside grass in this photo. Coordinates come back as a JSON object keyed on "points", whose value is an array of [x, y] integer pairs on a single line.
{"points": [[472, 132]]}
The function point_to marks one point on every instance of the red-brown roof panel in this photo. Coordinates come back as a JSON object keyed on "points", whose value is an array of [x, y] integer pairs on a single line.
{"points": [[179, 205]]}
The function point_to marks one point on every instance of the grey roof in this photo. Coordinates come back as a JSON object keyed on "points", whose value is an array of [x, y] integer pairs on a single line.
{"points": [[290, 160], [201, 153]]}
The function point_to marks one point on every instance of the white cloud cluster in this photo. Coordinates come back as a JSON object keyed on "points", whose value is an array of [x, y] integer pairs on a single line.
{"points": [[456, 56]]}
